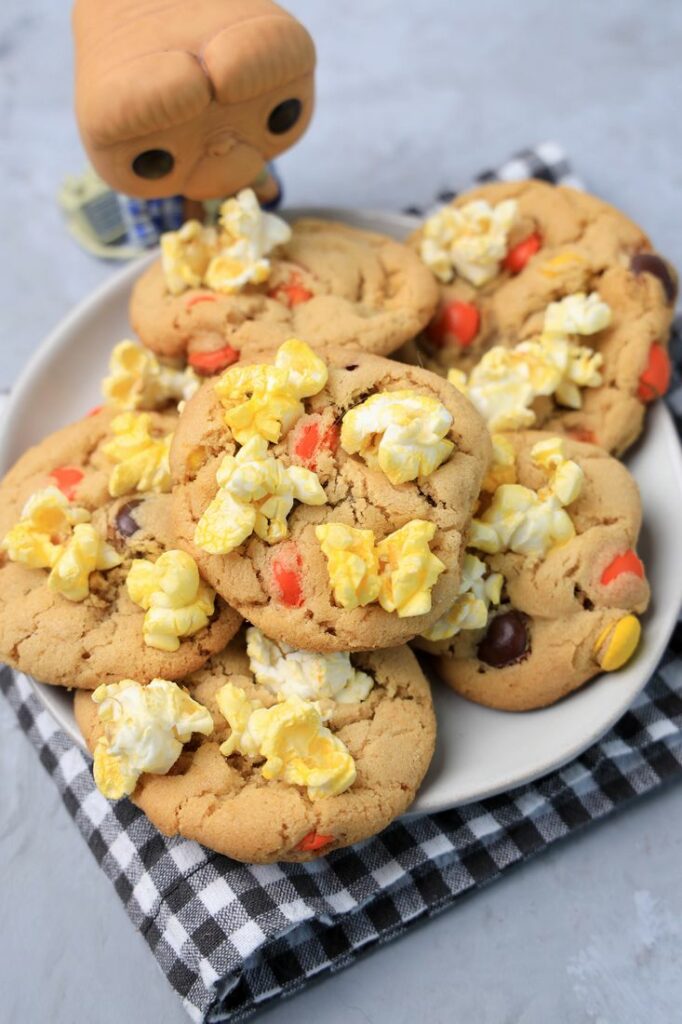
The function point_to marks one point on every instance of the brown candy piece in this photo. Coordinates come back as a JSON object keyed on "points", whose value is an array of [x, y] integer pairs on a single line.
{"points": [[506, 641], [126, 524], [650, 263]]}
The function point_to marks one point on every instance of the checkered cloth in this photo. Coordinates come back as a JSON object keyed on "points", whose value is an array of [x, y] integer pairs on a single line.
{"points": [[230, 937]]}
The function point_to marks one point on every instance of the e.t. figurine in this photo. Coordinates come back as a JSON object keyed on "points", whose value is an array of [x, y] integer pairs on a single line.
{"points": [[181, 103]]}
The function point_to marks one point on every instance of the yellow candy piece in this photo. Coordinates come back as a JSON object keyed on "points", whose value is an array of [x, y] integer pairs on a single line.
{"points": [[352, 563], [298, 748], [177, 601], [471, 240], [616, 644], [400, 432], [256, 493], [143, 459], [137, 380], [84, 553], [408, 570], [144, 730], [47, 521], [557, 264]]}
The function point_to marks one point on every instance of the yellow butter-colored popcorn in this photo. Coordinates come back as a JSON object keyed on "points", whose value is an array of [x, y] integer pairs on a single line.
{"points": [[85, 552], [408, 570], [143, 459], [471, 240], [229, 257], [137, 380], [144, 730], [502, 469], [177, 601], [297, 746], [400, 432], [352, 563], [264, 400], [529, 522], [256, 493], [288, 672], [478, 590], [47, 521]]}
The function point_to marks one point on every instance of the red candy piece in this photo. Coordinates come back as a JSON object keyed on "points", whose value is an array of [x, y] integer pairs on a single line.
{"points": [[460, 320], [94, 411], [292, 292], [518, 255], [194, 300], [208, 363], [67, 479], [314, 841], [655, 379], [309, 443], [579, 434], [286, 576], [627, 562]]}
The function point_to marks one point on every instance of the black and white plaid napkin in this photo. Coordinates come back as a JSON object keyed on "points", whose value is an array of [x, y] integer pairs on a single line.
{"points": [[229, 937]]}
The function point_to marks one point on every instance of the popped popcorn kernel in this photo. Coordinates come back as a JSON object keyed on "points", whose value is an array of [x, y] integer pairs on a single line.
{"points": [[408, 570], [137, 380], [145, 728], [352, 563], [228, 258], [400, 432], [85, 552], [471, 240], [177, 602], [46, 523], [502, 469], [478, 590], [298, 748], [143, 459], [256, 493]]}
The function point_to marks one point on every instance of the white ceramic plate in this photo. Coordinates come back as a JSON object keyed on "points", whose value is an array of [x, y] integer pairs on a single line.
{"points": [[480, 752]]}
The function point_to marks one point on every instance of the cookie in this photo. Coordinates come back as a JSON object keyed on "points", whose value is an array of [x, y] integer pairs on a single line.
{"points": [[346, 533], [68, 546], [552, 583], [226, 802], [571, 280], [338, 288]]}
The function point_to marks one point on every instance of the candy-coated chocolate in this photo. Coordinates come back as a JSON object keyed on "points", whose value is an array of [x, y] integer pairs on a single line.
{"points": [[519, 254], [458, 320], [655, 379], [651, 263], [506, 640], [627, 562], [286, 576], [615, 645], [314, 841], [67, 479], [126, 524], [208, 363]]}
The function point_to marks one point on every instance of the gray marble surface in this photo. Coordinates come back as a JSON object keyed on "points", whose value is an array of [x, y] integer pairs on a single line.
{"points": [[412, 97]]}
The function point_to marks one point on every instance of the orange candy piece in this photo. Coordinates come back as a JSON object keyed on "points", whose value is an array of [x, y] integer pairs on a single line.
{"points": [[286, 576], [194, 300], [519, 254], [627, 562], [580, 434], [207, 363], [292, 292], [460, 320], [655, 379], [93, 412], [67, 479], [309, 442], [314, 841]]}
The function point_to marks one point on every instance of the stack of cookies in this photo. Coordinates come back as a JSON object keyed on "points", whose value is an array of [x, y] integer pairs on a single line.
{"points": [[231, 560]]}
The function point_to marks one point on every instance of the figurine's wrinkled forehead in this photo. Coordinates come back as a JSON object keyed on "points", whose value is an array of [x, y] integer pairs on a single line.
{"points": [[164, 88]]}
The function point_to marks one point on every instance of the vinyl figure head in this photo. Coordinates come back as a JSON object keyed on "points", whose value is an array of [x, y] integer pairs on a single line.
{"points": [[189, 99]]}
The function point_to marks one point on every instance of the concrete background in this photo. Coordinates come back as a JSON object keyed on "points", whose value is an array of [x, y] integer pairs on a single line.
{"points": [[412, 98]]}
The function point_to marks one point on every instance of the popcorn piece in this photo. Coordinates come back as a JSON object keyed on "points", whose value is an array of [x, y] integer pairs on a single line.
{"points": [[145, 728], [527, 522], [502, 469], [399, 432], [577, 314], [353, 563], [471, 240], [137, 380], [256, 494], [288, 672], [177, 601], [47, 521], [291, 736], [408, 570], [142, 458], [226, 259], [264, 400], [84, 553], [478, 589]]}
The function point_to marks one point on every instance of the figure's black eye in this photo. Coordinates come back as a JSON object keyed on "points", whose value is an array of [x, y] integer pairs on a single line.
{"points": [[284, 116], [153, 163]]}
